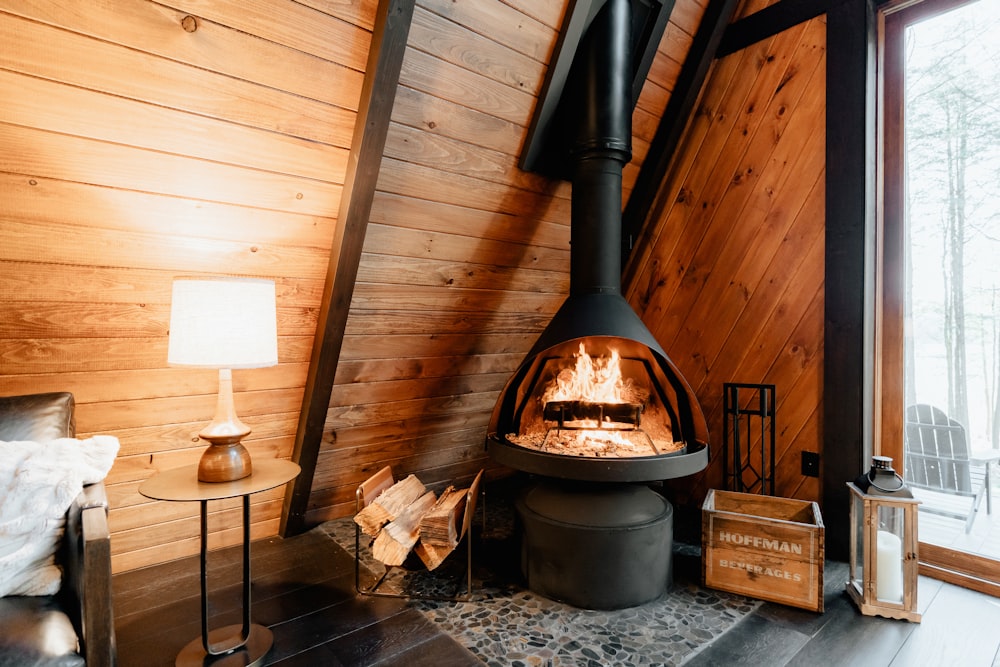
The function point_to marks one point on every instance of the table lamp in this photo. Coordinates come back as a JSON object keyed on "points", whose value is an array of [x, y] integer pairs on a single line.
{"points": [[223, 323]]}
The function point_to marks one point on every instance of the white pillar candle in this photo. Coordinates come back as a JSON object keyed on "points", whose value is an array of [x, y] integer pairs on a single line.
{"points": [[889, 567]]}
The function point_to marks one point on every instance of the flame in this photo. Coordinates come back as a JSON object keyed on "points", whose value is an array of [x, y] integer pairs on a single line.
{"points": [[597, 380], [593, 379]]}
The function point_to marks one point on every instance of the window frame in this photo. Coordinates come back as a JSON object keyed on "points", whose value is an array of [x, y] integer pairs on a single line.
{"points": [[961, 568]]}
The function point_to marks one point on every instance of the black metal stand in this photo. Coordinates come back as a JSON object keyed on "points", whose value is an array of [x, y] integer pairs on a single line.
{"points": [[246, 644], [595, 545], [373, 589], [748, 437]]}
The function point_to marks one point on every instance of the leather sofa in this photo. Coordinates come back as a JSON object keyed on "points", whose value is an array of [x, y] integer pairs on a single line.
{"points": [[75, 626]]}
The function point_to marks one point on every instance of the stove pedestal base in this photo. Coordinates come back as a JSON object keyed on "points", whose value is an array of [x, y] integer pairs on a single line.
{"points": [[596, 546]]}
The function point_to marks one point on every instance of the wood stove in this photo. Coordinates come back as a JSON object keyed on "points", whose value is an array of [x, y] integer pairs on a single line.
{"points": [[597, 410], [651, 430]]}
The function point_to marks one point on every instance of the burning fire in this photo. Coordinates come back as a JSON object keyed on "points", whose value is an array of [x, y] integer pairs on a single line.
{"points": [[594, 386], [594, 380]]}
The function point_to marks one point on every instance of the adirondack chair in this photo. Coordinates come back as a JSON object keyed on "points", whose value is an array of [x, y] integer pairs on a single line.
{"points": [[938, 460]]}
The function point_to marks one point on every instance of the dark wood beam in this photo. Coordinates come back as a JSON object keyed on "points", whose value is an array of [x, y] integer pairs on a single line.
{"points": [[385, 59], [848, 348], [679, 108], [770, 21]]}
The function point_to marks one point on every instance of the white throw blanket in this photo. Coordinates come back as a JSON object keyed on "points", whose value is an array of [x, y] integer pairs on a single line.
{"points": [[38, 482]]}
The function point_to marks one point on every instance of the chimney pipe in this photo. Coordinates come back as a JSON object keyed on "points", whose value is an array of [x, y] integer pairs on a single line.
{"points": [[602, 91]]}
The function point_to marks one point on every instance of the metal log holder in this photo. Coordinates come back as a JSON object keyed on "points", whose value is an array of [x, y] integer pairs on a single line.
{"points": [[368, 491], [748, 437]]}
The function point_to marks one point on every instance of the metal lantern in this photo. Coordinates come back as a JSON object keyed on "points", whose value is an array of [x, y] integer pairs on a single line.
{"points": [[883, 558]]}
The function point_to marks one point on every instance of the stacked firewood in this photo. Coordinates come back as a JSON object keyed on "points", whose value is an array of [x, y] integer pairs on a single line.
{"points": [[407, 517]]}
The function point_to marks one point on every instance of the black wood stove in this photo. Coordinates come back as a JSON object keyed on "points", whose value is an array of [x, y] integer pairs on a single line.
{"points": [[597, 410]]}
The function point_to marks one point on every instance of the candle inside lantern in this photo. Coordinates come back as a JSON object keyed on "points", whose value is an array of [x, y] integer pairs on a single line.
{"points": [[889, 567]]}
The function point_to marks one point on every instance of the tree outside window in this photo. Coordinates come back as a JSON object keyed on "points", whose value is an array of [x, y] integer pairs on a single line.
{"points": [[952, 121]]}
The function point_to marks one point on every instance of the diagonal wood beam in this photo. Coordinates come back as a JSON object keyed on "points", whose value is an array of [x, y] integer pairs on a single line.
{"points": [[682, 103], [385, 59], [785, 14], [770, 21]]}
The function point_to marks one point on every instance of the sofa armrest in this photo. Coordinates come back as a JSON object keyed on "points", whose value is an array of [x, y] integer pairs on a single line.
{"points": [[87, 574], [93, 495]]}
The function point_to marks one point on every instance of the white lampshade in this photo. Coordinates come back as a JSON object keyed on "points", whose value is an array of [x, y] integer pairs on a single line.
{"points": [[223, 323]]}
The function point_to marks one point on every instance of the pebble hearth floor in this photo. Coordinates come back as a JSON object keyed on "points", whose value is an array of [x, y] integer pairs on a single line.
{"points": [[508, 626]]}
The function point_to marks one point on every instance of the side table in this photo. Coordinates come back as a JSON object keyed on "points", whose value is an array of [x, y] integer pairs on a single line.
{"points": [[247, 643]]}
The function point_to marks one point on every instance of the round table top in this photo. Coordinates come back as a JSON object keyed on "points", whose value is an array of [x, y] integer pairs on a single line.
{"points": [[181, 484]]}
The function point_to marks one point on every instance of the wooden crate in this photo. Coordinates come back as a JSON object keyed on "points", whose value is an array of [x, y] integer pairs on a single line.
{"points": [[763, 547]]}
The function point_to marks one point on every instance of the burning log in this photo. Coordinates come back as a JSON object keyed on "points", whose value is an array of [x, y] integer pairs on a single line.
{"points": [[394, 542], [593, 414], [389, 504]]}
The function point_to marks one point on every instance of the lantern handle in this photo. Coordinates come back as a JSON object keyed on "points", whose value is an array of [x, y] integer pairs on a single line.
{"points": [[871, 480]]}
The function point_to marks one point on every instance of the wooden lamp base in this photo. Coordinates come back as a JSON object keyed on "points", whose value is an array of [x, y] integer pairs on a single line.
{"points": [[226, 459], [224, 463]]}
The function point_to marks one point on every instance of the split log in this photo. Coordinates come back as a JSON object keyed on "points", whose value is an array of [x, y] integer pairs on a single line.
{"points": [[396, 539], [446, 523], [388, 505], [431, 556], [441, 524]]}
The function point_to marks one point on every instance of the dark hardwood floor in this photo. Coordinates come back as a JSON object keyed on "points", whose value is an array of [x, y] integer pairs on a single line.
{"points": [[303, 590], [959, 627]]}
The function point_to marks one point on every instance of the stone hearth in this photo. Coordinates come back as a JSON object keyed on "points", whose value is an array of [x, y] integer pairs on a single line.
{"points": [[507, 625]]}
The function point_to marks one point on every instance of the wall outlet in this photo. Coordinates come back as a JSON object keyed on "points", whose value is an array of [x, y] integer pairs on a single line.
{"points": [[810, 464]]}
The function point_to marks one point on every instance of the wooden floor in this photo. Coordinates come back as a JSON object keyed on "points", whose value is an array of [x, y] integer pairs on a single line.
{"points": [[303, 591], [959, 627]]}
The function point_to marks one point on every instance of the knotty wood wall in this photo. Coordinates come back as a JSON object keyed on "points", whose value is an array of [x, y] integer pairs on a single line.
{"points": [[730, 280], [466, 257], [139, 142]]}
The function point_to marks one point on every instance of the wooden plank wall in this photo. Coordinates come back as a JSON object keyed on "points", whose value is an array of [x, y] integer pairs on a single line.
{"points": [[139, 142], [730, 280], [466, 257]]}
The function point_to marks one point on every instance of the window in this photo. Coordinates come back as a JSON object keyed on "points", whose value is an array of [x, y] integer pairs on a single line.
{"points": [[940, 310]]}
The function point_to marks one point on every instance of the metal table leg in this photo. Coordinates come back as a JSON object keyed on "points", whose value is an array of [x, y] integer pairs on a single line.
{"points": [[246, 644]]}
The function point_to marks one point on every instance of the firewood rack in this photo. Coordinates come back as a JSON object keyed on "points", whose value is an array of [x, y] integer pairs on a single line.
{"points": [[748, 437], [366, 492]]}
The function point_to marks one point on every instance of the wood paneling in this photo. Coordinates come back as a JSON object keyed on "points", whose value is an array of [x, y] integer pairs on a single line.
{"points": [[140, 142], [730, 280]]}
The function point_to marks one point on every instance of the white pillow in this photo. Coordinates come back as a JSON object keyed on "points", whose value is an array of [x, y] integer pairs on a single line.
{"points": [[38, 483]]}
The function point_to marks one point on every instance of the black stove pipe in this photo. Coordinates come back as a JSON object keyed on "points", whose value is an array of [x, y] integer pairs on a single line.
{"points": [[601, 94]]}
